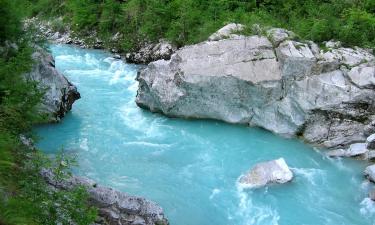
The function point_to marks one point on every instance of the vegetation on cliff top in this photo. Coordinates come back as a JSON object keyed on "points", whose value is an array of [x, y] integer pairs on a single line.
{"points": [[191, 21], [25, 198]]}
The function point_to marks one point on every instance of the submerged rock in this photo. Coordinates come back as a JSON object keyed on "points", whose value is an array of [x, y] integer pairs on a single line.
{"points": [[60, 94], [290, 89], [275, 171], [336, 153], [114, 207]]}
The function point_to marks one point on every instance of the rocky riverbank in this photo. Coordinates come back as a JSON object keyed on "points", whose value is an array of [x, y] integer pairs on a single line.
{"points": [[145, 53], [59, 94], [115, 208]]}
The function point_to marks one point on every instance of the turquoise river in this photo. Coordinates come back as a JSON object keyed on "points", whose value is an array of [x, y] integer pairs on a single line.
{"points": [[191, 167]]}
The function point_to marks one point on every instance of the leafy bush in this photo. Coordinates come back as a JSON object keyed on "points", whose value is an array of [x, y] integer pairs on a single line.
{"points": [[191, 21], [25, 198]]}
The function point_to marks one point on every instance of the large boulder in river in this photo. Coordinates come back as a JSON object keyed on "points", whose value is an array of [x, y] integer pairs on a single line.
{"points": [[275, 171], [60, 94], [293, 88]]}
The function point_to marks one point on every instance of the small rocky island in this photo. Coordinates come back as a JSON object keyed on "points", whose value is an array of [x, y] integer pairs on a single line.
{"points": [[275, 171]]}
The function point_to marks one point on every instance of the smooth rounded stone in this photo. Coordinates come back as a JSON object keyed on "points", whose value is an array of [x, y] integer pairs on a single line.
{"points": [[60, 94], [357, 149], [371, 142], [370, 172], [275, 171], [117, 56], [336, 153], [226, 31]]}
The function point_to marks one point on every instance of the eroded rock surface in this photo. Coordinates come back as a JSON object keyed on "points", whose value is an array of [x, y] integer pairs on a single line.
{"points": [[114, 207], [291, 88], [228, 31], [151, 52], [275, 171], [60, 94]]}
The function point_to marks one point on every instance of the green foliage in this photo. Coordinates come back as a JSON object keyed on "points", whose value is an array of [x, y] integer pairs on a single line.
{"points": [[36, 203], [191, 21], [84, 13], [9, 20], [25, 197]]}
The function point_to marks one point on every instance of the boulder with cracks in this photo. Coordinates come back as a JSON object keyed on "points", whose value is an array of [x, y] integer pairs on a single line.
{"points": [[59, 93], [286, 86]]}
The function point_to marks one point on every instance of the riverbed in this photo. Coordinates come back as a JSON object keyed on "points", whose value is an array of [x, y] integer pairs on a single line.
{"points": [[191, 167]]}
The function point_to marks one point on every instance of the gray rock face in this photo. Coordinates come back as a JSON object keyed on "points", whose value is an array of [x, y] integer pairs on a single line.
{"points": [[60, 94], [370, 172], [115, 208], [151, 52], [293, 89], [275, 171], [278, 35]]}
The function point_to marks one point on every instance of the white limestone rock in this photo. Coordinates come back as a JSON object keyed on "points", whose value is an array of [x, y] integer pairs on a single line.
{"points": [[297, 59], [278, 35], [275, 171], [363, 76], [357, 149], [228, 31]]}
